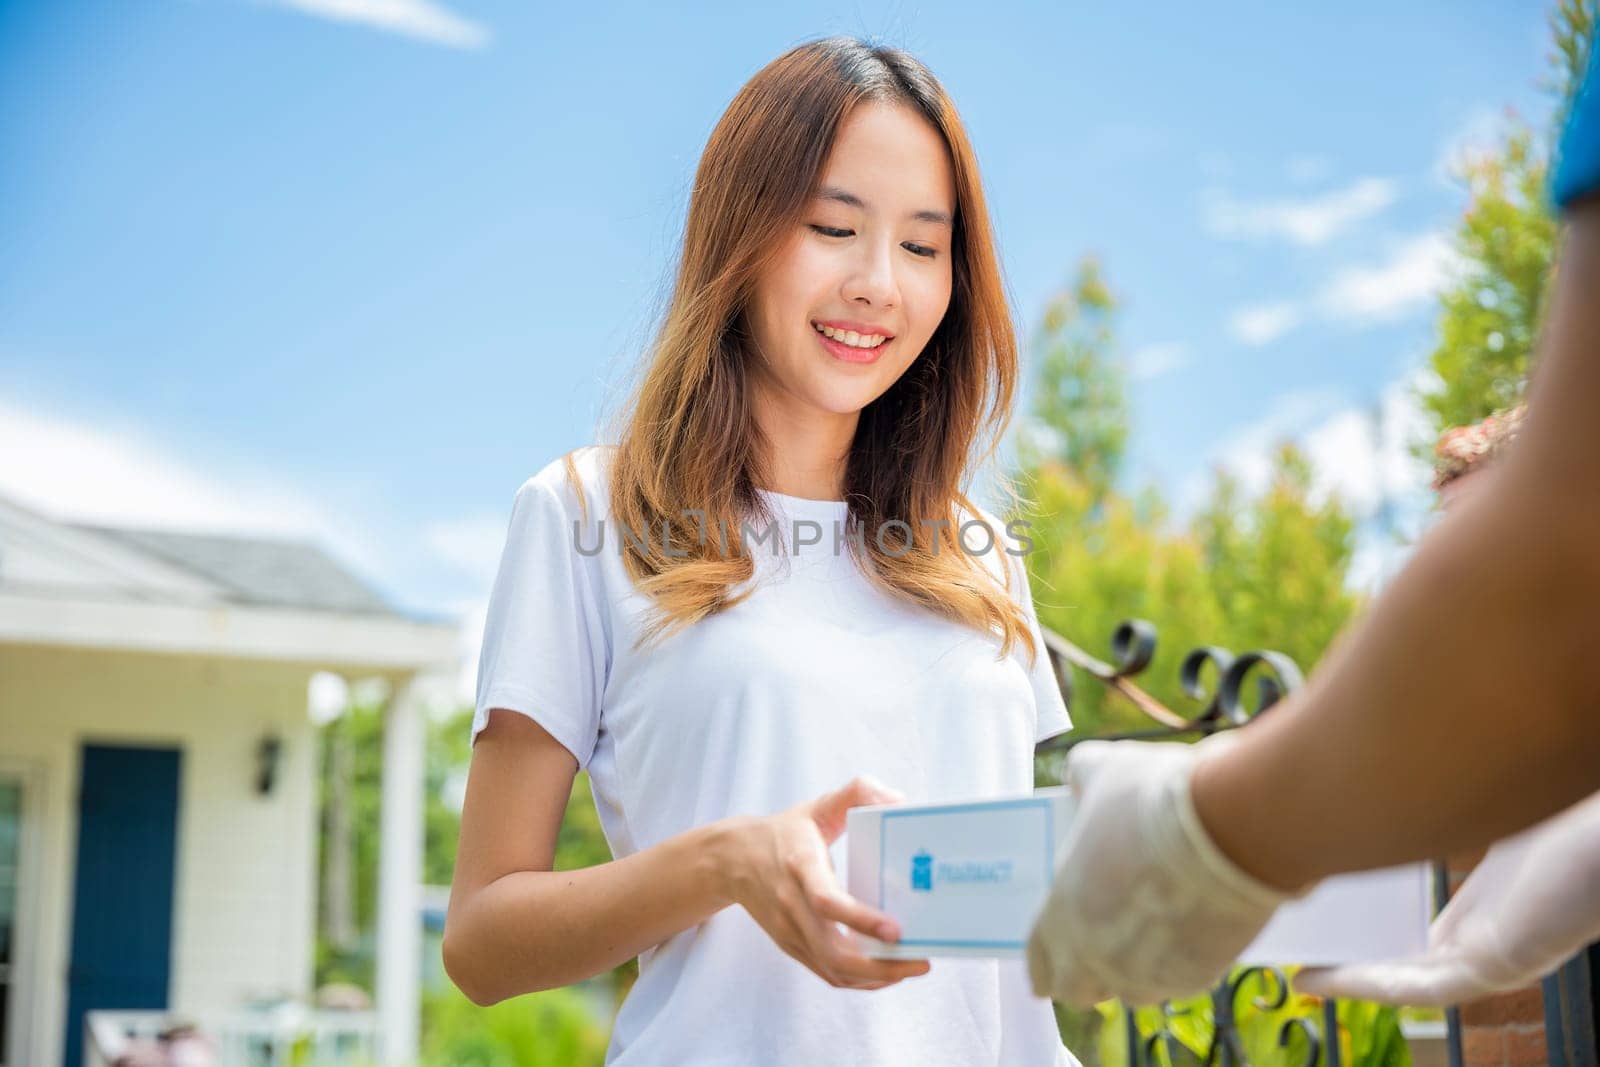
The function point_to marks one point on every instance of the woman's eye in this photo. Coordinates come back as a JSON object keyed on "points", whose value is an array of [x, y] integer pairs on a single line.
{"points": [[834, 231]]}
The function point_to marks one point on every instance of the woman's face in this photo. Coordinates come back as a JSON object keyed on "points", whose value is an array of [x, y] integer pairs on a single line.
{"points": [[872, 253]]}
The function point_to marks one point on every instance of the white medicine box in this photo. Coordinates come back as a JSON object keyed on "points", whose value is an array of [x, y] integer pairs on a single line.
{"points": [[968, 879], [962, 879]]}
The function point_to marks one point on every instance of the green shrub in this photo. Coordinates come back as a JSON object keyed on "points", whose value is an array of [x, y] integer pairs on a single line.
{"points": [[1369, 1034], [554, 1028]]}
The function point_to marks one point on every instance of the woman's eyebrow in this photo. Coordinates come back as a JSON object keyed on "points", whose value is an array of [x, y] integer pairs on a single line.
{"points": [[833, 192]]}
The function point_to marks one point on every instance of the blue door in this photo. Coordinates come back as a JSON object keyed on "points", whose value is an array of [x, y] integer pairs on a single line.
{"points": [[122, 896]]}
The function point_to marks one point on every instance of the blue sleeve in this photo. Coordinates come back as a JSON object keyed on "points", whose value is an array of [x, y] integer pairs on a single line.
{"points": [[1577, 170]]}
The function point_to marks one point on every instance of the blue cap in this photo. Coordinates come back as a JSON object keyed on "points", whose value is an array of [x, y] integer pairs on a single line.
{"points": [[1577, 169]]}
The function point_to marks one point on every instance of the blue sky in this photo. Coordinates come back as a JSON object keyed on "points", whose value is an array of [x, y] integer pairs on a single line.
{"points": [[356, 268]]}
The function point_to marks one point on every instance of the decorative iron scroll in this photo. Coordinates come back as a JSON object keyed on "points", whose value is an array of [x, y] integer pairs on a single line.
{"points": [[1164, 1048], [1224, 703], [1221, 683]]}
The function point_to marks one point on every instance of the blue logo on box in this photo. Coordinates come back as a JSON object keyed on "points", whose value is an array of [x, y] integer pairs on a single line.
{"points": [[922, 872], [957, 873]]}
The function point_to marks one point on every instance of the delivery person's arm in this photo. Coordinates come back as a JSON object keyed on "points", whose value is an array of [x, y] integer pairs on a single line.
{"points": [[1462, 707]]}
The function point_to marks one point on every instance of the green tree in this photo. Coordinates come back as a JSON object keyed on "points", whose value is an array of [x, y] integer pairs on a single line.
{"points": [[360, 731], [1080, 400], [1489, 317], [581, 842], [1505, 245], [449, 753], [1277, 563], [1572, 25], [1097, 563], [1265, 572], [1245, 573]]}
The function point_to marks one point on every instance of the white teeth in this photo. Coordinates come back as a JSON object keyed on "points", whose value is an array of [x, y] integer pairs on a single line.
{"points": [[851, 338]]}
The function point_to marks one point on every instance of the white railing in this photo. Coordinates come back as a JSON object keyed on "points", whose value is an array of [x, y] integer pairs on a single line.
{"points": [[279, 1037]]}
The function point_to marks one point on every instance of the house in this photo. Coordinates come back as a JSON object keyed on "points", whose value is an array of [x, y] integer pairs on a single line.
{"points": [[158, 787]]}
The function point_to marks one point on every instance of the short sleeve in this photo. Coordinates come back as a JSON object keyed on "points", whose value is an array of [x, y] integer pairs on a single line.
{"points": [[1577, 170], [1052, 717], [544, 637]]}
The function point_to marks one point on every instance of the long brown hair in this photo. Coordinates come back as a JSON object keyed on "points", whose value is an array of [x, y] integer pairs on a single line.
{"points": [[689, 438]]}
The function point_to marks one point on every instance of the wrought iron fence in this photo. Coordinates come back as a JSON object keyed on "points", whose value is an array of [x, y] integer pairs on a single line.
{"points": [[1229, 690], [1241, 687]]}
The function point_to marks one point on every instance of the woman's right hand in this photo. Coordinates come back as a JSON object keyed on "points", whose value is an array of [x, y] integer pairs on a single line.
{"points": [[779, 870]]}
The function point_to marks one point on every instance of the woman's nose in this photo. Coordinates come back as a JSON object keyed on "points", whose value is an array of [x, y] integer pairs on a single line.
{"points": [[873, 279]]}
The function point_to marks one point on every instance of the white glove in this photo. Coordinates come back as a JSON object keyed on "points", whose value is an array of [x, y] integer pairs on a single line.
{"points": [[1144, 905], [1531, 903]]}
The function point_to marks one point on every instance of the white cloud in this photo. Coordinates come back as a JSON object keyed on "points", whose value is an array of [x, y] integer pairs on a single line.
{"points": [[1360, 453], [1363, 454], [116, 475], [1413, 274], [1247, 453], [420, 19], [1311, 221], [1262, 324], [1153, 361]]}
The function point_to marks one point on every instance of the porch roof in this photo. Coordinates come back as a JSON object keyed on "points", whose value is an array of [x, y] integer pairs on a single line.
{"points": [[222, 594]]}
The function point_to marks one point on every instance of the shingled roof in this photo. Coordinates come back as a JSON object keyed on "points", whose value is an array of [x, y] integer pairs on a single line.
{"points": [[250, 570]]}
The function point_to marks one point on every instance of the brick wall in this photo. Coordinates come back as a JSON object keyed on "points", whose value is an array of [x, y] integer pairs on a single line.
{"points": [[1504, 1030]]}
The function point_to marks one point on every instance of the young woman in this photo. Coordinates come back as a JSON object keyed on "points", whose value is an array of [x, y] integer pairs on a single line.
{"points": [[837, 348]]}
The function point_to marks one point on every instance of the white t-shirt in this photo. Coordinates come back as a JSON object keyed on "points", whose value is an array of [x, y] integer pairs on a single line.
{"points": [[815, 678]]}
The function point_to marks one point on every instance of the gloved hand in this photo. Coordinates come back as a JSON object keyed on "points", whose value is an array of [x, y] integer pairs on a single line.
{"points": [[1531, 903], [1144, 906]]}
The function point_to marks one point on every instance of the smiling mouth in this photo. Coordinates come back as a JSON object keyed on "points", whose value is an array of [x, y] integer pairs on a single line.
{"points": [[848, 353]]}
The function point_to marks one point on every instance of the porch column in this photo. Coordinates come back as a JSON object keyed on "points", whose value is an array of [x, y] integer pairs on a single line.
{"points": [[399, 948]]}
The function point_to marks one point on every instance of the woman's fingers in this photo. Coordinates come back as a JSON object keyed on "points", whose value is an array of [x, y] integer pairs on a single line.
{"points": [[788, 935], [843, 958], [841, 907], [836, 955], [823, 904], [796, 898]]}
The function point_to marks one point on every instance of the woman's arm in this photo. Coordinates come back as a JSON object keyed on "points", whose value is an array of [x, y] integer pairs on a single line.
{"points": [[515, 925]]}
